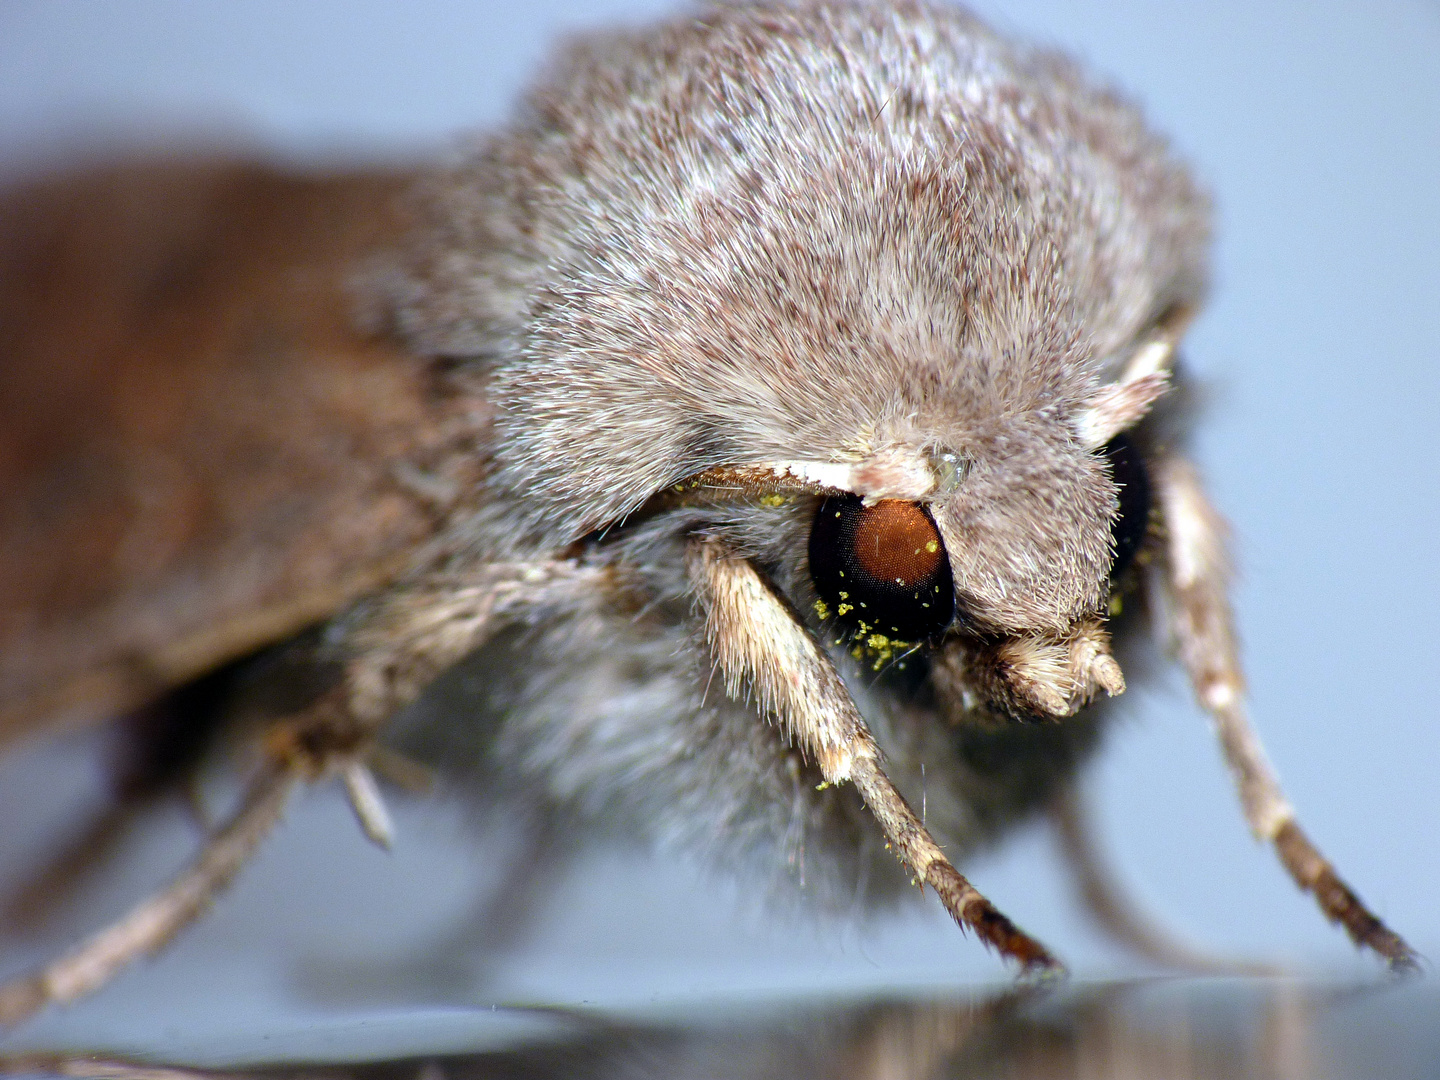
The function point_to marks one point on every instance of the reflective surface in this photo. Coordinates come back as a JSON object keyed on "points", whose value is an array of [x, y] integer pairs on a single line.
{"points": [[1147, 1030]]}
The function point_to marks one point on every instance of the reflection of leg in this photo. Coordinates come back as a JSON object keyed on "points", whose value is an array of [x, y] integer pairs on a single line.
{"points": [[1115, 911], [1194, 583], [1287, 1034], [922, 1038]]}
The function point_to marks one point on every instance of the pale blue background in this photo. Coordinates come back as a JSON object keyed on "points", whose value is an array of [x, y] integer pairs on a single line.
{"points": [[1318, 127]]}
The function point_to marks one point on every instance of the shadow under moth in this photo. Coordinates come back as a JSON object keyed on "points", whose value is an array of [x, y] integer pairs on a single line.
{"points": [[782, 410]]}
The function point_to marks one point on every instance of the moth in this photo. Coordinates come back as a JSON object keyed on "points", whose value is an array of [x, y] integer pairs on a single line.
{"points": [[782, 412]]}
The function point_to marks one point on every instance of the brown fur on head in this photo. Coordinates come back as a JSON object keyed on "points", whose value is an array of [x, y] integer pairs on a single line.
{"points": [[819, 233]]}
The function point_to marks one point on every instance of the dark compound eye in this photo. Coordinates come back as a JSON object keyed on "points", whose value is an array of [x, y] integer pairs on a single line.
{"points": [[881, 569], [1127, 531]]}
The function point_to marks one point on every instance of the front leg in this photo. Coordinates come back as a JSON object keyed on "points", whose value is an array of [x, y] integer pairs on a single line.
{"points": [[762, 649], [1194, 580]]}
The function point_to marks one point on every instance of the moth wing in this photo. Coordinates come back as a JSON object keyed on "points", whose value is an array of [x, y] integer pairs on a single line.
{"points": [[202, 450]]}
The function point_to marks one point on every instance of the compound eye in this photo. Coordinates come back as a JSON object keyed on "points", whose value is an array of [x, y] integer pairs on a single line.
{"points": [[1128, 529], [882, 569]]}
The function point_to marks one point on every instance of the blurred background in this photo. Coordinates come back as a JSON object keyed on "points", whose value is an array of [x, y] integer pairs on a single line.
{"points": [[1317, 126]]}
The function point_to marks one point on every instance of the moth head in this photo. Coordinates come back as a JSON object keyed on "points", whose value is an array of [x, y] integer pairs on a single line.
{"points": [[1008, 563], [998, 551], [1029, 516], [879, 250]]}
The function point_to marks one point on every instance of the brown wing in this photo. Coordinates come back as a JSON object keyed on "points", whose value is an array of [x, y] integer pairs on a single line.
{"points": [[199, 450]]}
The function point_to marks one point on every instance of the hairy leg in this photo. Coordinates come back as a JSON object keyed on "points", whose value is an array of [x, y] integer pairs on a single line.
{"points": [[762, 649], [1195, 582], [156, 920], [392, 650]]}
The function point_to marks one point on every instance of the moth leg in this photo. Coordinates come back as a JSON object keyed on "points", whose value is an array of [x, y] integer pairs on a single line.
{"points": [[760, 647], [154, 754], [393, 651], [1113, 910], [395, 646], [1195, 579], [155, 921], [412, 634]]}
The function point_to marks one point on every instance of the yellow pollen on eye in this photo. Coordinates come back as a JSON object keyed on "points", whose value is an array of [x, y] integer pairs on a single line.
{"points": [[932, 547]]}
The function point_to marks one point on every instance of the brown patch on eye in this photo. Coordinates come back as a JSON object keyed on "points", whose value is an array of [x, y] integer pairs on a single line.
{"points": [[881, 570], [896, 541]]}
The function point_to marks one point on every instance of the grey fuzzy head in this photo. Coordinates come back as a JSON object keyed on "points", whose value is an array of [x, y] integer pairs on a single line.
{"points": [[828, 232]]}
